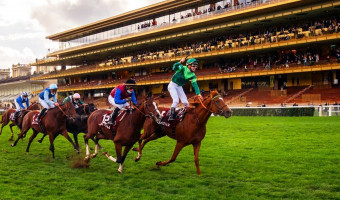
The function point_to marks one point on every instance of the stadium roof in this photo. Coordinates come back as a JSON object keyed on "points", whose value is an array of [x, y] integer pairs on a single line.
{"points": [[138, 15]]}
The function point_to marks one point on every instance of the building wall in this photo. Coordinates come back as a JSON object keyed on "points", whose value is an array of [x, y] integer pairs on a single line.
{"points": [[301, 79], [237, 84]]}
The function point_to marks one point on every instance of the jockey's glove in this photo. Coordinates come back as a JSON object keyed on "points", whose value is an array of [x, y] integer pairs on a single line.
{"points": [[128, 99]]}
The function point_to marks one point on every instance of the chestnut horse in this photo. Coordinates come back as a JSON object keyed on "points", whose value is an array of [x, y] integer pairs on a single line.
{"points": [[127, 132], [53, 124], [79, 124], [6, 118], [191, 130]]}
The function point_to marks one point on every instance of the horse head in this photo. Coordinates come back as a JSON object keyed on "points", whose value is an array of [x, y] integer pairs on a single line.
{"points": [[150, 107], [69, 110], [92, 108], [218, 105]]}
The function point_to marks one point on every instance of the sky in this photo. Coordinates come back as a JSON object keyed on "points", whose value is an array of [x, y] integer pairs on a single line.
{"points": [[24, 24]]}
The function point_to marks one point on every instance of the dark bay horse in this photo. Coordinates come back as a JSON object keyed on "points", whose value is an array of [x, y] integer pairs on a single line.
{"points": [[79, 123], [127, 132], [53, 124], [191, 130], [18, 122]]}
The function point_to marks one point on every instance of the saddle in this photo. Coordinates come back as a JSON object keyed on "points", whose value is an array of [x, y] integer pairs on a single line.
{"points": [[107, 117], [179, 115]]}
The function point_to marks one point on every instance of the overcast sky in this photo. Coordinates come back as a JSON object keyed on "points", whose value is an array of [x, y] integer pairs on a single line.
{"points": [[24, 24]]}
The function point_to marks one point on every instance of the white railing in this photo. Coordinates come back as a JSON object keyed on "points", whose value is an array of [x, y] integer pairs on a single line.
{"points": [[321, 110]]}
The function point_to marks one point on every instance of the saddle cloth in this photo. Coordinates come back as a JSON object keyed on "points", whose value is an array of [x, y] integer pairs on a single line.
{"points": [[107, 118], [35, 118], [179, 113], [11, 117]]}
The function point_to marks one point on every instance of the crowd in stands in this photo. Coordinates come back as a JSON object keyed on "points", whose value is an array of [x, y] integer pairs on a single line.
{"points": [[270, 34]]}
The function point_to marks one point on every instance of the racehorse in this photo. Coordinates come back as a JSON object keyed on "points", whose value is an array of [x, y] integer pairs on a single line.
{"points": [[6, 118], [126, 134], [53, 124], [191, 130], [79, 124]]}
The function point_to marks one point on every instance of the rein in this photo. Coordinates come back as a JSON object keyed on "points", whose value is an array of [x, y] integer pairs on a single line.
{"points": [[219, 109]]}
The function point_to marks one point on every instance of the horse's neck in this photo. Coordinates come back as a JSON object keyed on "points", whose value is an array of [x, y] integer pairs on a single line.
{"points": [[138, 116], [203, 114], [56, 111]]}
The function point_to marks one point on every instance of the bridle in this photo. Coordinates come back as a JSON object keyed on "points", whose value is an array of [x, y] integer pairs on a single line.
{"points": [[220, 109], [63, 111], [151, 115]]}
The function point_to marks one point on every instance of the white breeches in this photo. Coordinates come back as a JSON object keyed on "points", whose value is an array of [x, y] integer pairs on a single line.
{"points": [[177, 93], [45, 104], [120, 106], [17, 106]]}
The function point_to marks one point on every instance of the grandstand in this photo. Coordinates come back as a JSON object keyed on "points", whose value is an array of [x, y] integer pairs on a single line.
{"points": [[272, 52]]}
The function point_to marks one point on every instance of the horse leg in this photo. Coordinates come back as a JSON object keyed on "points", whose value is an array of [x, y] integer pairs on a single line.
{"points": [[141, 147], [22, 133], [196, 152], [178, 148], [87, 157], [2, 126], [65, 134], [40, 141], [99, 146], [126, 151], [35, 133], [95, 148], [118, 148], [75, 136], [12, 134], [51, 137]]}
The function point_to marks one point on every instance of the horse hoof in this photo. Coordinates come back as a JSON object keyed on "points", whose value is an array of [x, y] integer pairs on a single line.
{"points": [[10, 139], [93, 155], [159, 163], [40, 141], [87, 159], [120, 171], [137, 159], [105, 153], [26, 153], [12, 145]]}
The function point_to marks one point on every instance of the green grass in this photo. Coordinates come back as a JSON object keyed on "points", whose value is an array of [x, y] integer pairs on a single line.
{"points": [[240, 158]]}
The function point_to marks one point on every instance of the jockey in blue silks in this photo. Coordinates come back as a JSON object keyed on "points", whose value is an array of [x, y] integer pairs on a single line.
{"points": [[44, 99], [120, 97], [19, 103]]}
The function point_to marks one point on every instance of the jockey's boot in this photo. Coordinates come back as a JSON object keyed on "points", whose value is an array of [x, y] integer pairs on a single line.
{"points": [[172, 114], [16, 114], [41, 114], [114, 116]]}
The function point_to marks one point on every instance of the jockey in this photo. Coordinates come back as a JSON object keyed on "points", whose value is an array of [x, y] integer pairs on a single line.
{"points": [[75, 99], [44, 99], [18, 103], [120, 97], [181, 77]]}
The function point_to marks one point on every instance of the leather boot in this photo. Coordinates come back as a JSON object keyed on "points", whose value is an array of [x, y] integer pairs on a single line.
{"points": [[114, 116], [41, 114], [172, 114]]}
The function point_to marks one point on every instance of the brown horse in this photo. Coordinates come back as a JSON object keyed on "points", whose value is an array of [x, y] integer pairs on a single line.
{"points": [[127, 132], [6, 118], [191, 130], [53, 124], [79, 124]]}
